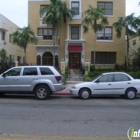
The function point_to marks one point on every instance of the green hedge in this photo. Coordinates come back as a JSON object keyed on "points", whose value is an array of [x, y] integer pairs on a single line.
{"points": [[91, 74], [134, 74]]}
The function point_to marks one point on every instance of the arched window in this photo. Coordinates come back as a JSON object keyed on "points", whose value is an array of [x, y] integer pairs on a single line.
{"points": [[47, 59], [56, 61], [38, 60]]}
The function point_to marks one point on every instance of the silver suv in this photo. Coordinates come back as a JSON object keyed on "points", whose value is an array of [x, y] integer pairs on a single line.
{"points": [[40, 80]]}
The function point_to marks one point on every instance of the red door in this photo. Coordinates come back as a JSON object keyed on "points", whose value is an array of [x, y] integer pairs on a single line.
{"points": [[74, 60]]}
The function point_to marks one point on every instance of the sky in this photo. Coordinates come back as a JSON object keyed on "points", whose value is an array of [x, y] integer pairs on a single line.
{"points": [[17, 10]]}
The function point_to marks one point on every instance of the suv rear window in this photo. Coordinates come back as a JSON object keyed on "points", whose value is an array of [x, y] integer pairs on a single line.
{"points": [[46, 71], [30, 71]]}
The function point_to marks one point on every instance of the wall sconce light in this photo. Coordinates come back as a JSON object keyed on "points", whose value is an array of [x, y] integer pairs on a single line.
{"points": [[62, 59]]}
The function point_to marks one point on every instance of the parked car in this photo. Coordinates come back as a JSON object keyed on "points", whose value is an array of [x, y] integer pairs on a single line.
{"points": [[40, 80], [113, 83]]}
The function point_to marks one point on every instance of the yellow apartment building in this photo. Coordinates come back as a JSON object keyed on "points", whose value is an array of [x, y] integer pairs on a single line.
{"points": [[72, 46]]}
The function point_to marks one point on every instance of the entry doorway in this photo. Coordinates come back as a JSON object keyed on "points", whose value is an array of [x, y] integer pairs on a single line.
{"points": [[74, 60], [47, 59]]}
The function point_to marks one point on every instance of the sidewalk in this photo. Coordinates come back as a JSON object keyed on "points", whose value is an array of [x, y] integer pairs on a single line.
{"points": [[66, 90]]}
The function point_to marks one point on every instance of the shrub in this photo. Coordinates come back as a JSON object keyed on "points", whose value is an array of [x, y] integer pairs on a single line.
{"points": [[87, 78], [92, 74], [135, 74], [92, 68], [65, 77]]}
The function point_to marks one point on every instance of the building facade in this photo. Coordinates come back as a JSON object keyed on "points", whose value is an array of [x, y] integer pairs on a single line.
{"points": [[7, 27], [134, 42], [72, 46]]}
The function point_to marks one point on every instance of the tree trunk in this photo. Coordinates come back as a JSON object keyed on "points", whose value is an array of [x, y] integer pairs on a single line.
{"points": [[25, 56], [94, 48], [54, 51], [54, 47], [127, 51]]}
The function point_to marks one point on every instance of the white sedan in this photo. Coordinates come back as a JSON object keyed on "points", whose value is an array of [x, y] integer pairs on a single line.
{"points": [[112, 83]]}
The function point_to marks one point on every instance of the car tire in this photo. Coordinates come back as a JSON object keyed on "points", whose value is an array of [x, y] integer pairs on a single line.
{"points": [[2, 94], [122, 96], [130, 93], [84, 93], [42, 92]]}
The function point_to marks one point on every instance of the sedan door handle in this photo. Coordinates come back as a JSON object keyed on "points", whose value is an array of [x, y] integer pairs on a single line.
{"points": [[109, 84], [15, 79], [35, 78], [128, 83]]}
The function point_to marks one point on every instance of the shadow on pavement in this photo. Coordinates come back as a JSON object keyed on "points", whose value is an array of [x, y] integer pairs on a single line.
{"points": [[68, 96]]}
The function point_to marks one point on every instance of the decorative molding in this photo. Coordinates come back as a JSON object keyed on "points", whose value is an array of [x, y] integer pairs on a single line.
{"points": [[74, 41], [42, 0], [104, 40]]}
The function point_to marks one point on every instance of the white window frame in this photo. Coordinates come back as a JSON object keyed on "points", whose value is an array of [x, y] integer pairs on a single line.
{"points": [[80, 8]]}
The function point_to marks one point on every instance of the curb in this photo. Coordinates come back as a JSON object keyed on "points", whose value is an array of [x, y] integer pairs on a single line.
{"points": [[63, 92]]}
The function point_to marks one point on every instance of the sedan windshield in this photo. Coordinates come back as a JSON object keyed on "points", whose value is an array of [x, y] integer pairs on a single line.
{"points": [[96, 77]]}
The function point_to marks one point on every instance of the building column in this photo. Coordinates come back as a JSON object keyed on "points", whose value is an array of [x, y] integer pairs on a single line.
{"points": [[81, 32], [68, 31], [41, 59], [66, 53], [16, 63], [87, 67], [62, 67]]}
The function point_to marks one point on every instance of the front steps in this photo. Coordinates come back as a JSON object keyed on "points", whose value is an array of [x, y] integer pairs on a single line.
{"points": [[75, 75]]}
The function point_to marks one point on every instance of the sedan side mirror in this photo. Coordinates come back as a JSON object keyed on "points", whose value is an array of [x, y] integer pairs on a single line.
{"points": [[3, 75], [97, 81]]}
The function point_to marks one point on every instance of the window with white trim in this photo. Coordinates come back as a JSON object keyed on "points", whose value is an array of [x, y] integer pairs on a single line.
{"points": [[47, 33], [108, 7], [105, 34], [74, 32], [75, 7], [41, 7], [2, 35]]}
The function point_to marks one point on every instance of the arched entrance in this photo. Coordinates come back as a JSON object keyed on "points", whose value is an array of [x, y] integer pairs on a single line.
{"points": [[47, 59], [38, 60], [56, 61]]}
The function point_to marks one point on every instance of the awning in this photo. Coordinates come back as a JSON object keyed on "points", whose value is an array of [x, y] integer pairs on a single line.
{"points": [[2, 29], [74, 48]]}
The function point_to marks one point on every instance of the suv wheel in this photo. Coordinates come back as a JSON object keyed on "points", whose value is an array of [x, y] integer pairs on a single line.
{"points": [[42, 92], [2, 94]]}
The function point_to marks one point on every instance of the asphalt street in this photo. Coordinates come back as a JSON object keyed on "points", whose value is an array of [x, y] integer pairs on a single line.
{"points": [[66, 117]]}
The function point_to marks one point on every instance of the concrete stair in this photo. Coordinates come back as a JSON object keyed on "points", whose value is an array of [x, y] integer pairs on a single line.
{"points": [[75, 75]]}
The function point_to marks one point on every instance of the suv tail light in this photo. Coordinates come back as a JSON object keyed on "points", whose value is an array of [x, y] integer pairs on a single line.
{"points": [[58, 78]]}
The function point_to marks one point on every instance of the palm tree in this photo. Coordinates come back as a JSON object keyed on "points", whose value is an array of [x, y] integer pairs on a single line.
{"points": [[95, 18], [131, 25], [23, 36], [3, 56], [5, 61], [54, 15]]}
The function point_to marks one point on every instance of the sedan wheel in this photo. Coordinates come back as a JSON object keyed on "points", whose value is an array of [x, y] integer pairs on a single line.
{"points": [[84, 93], [42, 92], [130, 94]]}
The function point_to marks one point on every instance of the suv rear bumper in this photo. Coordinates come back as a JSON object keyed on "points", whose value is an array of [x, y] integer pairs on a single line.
{"points": [[59, 87]]}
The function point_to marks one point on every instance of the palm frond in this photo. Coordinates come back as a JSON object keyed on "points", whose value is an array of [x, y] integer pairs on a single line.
{"points": [[95, 18], [85, 29]]}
